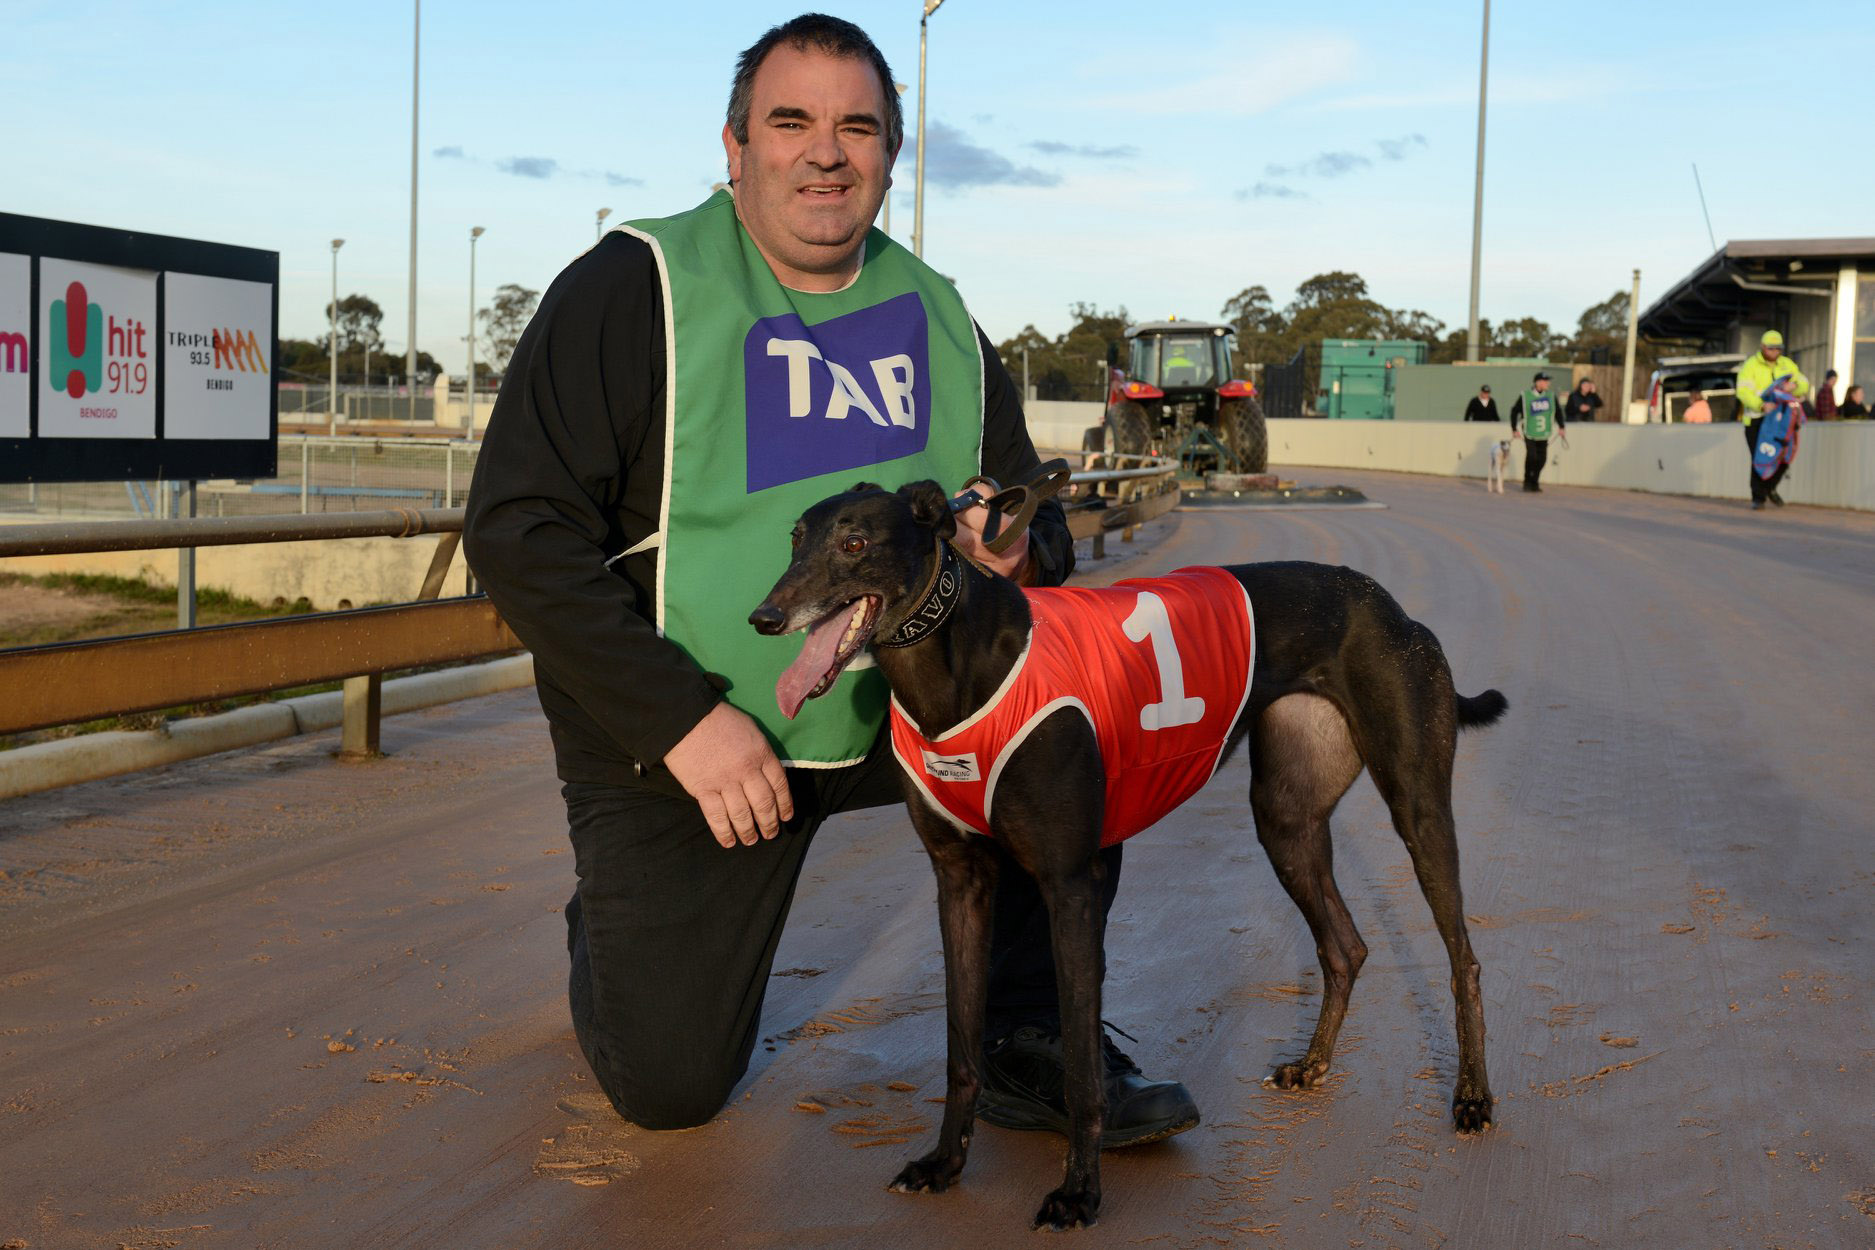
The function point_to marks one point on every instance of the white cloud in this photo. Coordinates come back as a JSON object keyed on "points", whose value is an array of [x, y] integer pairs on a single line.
{"points": [[1271, 72]]}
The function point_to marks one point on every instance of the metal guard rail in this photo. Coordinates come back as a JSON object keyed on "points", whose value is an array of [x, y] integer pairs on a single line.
{"points": [[67, 683], [91, 536]]}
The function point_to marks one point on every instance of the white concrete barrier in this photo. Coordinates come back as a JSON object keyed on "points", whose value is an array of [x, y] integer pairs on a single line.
{"points": [[1835, 464], [66, 761], [1058, 424]]}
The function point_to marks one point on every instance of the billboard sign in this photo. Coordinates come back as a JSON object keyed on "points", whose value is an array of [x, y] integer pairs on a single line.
{"points": [[16, 318], [127, 355]]}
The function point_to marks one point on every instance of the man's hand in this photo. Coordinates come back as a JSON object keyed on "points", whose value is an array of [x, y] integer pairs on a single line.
{"points": [[726, 765], [1013, 563]]}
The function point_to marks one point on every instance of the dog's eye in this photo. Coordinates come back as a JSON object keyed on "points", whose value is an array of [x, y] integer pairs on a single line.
{"points": [[853, 544], [794, 539]]}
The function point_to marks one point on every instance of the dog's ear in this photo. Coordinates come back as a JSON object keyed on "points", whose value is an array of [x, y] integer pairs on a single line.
{"points": [[860, 488], [930, 507]]}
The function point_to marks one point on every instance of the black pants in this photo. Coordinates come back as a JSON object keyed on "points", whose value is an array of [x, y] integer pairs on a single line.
{"points": [[1761, 487], [1535, 456], [672, 937]]}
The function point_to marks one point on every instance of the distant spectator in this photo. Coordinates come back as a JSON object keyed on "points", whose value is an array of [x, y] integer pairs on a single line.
{"points": [[1826, 398], [1583, 402], [1698, 411], [1853, 409], [1482, 407]]}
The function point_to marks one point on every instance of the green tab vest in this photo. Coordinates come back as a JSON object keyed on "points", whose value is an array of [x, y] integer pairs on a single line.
{"points": [[774, 400], [1539, 414]]}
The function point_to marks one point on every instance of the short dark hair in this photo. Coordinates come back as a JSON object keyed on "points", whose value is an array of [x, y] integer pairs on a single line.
{"points": [[831, 35]]}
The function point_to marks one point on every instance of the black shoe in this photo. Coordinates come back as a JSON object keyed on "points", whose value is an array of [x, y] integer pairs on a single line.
{"points": [[1023, 1084], [1757, 505], [1529, 489], [1777, 499]]}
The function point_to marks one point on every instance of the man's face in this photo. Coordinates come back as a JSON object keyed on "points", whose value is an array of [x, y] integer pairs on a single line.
{"points": [[1772, 353], [1542, 384], [815, 169]]}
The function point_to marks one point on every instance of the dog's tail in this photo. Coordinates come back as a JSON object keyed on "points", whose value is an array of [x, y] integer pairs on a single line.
{"points": [[1478, 710]]}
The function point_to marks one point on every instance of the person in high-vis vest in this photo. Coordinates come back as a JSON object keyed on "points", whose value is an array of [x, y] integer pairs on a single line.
{"points": [[687, 388], [1535, 417], [1756, 376]]}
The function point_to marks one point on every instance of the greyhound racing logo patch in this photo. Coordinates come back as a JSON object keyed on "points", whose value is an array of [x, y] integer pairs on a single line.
{"points": [[845, 394], [951, 767]]}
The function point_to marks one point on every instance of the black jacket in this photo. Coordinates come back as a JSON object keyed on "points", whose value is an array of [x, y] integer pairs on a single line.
{"points": [[1481, 410], [571, 472], [1582, 407]]}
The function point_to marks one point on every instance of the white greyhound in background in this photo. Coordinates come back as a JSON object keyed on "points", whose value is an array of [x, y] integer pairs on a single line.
{"points": [[1499, 457]]}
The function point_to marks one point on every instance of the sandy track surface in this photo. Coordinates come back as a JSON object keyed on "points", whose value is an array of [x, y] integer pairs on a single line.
{"points": [[267, 999]]}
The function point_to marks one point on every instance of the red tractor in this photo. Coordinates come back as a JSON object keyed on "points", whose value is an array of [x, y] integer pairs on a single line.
{"points": [[1176, 397]]}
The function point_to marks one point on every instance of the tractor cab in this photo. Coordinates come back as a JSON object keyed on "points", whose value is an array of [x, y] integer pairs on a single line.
{"points": [[1188, 357]]}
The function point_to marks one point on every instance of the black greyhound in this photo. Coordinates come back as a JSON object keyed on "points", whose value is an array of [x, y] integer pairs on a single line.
{"points": [[1343, 679]]}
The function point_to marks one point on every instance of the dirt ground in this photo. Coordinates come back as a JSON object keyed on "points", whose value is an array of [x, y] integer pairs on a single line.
{"points": [[34, 613], [270, 1000], [31, 611]]}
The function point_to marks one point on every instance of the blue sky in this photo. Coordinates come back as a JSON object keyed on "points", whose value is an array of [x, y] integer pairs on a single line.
{"points": [[1117, 153]]}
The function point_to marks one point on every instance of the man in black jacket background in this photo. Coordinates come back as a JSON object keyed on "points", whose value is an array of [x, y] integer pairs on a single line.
{"points": [[1583, 402], [688, 833], [1482, 407]]}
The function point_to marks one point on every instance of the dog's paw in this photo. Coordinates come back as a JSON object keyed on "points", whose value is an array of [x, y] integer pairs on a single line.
{"points": [[1298, 1075], [1069, 1208], [932, 1174], [1471, 1115]]}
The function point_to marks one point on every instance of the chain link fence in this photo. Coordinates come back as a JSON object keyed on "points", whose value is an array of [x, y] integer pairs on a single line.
{"points": [[306, 401], [1288, 390], [315, 474]]}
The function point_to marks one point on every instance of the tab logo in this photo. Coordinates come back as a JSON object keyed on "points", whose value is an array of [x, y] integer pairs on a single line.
{"points": [[77, 343], [845, 394], [952, 767]]}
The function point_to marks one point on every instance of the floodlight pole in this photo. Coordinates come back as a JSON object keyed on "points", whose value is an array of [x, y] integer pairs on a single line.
{"points": [[598, 226], [332, 348], [1477, 201], [410, 356], [917, 212], [474, 234], [1627, 364]]}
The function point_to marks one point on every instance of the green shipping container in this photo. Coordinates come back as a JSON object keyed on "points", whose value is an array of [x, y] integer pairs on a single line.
{"points": [[1357, 376]]}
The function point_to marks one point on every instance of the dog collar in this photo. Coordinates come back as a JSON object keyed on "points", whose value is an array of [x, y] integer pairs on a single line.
{"points": [[934, 606]]}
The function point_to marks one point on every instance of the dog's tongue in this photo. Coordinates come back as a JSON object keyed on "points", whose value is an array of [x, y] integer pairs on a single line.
{"points": [[823, 643]]}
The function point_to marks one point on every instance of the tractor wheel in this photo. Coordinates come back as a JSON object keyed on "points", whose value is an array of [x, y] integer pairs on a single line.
{"points": [[1245, 434], [1129, 434]]}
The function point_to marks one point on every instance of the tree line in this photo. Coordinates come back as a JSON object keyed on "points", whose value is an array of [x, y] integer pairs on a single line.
{"points": [[361, 352], [1334, 305]]}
